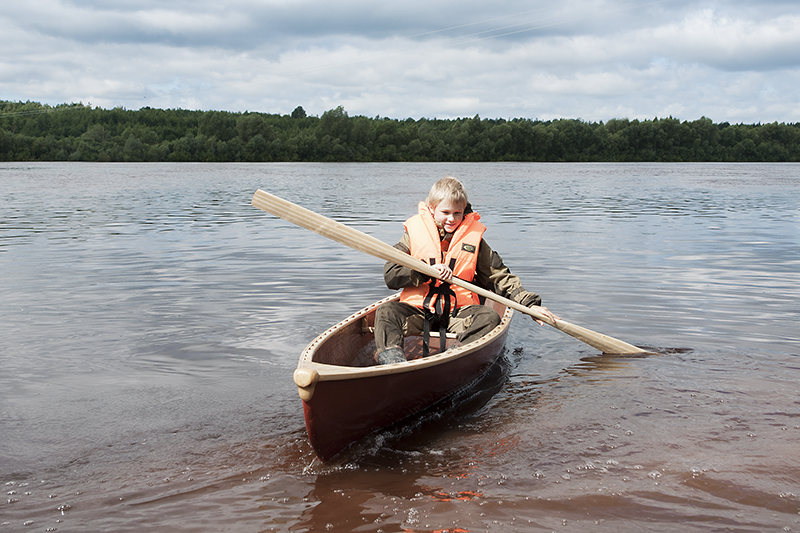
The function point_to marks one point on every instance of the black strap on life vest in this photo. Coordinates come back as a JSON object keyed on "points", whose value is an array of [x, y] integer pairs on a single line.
{"points": [[444, 302]]}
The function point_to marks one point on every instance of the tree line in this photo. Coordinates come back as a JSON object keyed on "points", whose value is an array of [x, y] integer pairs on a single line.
{"points": [[30, 131]]}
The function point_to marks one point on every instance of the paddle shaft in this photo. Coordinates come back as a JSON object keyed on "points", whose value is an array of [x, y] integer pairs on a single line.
{"points": [[370, 245]]}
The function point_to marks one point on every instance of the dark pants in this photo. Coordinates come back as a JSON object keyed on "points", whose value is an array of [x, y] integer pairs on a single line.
{"points": [[394, 320]]}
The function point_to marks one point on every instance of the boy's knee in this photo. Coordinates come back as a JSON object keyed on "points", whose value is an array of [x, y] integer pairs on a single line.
{"points": [[388, 311], [490, 319], [486, 316], [495, 319], [479, 321]]}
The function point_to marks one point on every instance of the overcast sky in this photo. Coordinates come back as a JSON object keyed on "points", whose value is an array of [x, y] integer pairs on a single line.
{"points": [[734, 60]]}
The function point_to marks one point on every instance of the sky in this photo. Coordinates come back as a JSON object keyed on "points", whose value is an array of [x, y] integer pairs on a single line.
{"points": [[734, 61]]}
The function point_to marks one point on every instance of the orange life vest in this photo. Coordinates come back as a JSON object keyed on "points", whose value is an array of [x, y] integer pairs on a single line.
{"points": [[436, 297]]}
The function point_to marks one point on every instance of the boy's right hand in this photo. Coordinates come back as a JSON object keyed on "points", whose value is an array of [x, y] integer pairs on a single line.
{"points": [[445, 274]]}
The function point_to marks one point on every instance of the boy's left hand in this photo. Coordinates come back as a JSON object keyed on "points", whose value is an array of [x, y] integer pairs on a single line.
{"points": [[546, 312]]}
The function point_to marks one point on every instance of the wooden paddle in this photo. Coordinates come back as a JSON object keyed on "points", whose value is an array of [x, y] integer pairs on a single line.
{"points": [[370, 245]]}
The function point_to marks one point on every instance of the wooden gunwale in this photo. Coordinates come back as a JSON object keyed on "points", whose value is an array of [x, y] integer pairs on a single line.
{"points": [[329, 372]]}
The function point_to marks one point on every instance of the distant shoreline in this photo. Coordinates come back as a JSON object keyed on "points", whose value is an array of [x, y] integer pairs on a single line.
{"points": [[30, 131]]}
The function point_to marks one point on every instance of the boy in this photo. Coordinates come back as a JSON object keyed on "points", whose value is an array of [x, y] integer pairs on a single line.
{"points": [[446, 234]]}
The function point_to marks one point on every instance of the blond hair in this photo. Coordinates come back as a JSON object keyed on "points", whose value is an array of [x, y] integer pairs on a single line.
{"points": [[447, 189]]}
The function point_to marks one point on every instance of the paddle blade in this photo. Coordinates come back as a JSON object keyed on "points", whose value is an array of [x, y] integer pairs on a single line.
{"points": [[337, 231]]}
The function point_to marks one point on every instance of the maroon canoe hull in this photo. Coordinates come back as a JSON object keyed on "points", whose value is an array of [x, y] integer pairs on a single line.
{"points": [[343, 411]]}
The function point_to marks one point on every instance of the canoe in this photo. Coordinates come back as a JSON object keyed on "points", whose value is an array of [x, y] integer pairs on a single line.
{"points": [[346, 396]]}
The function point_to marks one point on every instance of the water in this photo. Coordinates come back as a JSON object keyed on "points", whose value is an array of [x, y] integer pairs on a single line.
{"points": [[151, 320]]}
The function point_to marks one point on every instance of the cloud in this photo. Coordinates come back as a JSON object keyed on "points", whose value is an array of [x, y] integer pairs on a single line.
{"points": [[593, 59], [733, 44]]}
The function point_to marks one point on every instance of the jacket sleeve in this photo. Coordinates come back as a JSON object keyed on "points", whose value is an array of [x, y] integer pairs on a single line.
{"points": [[494, 275], [397, 276]]}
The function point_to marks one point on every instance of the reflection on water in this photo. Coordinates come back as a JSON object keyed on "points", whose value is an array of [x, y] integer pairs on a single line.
{"points": [[152, 319]]}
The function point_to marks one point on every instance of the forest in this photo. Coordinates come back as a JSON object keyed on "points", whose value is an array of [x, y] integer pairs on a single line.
{"points": [[31, 131]]}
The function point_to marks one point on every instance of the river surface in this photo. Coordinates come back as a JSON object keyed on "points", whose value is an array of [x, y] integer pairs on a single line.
{"points": [[150, 321]]}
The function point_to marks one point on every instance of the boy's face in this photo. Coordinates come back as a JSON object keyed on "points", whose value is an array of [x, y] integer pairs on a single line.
{"points": [[448, 215]]}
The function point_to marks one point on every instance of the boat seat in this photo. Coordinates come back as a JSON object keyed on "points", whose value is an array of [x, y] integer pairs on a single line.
{"points": [[434, 334]]}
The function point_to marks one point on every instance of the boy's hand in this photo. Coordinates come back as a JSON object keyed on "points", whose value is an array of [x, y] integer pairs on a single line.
{"points": [[546, 312], [445, 274]]}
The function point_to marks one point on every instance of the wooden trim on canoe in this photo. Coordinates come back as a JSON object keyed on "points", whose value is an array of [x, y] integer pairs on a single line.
{"points": [[308, 372]]}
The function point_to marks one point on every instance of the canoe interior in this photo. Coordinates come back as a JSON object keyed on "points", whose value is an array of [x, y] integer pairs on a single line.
{"points": [[352, 343]]}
